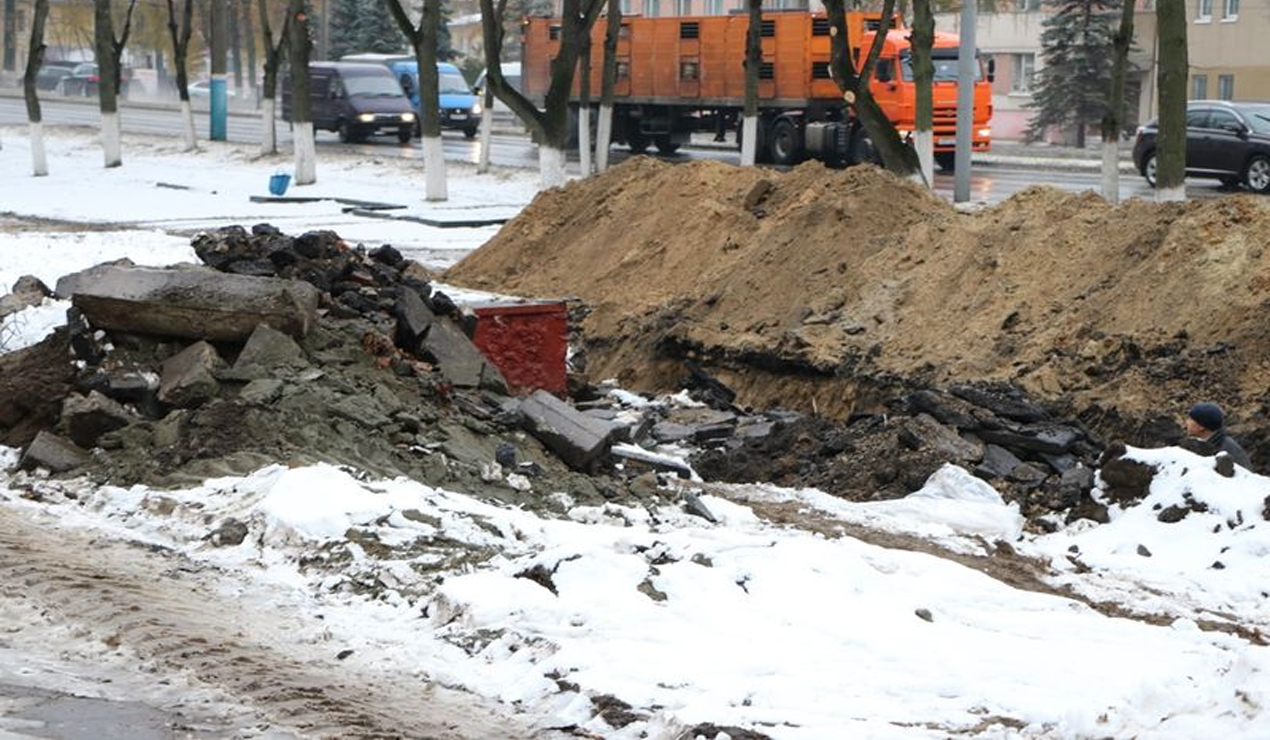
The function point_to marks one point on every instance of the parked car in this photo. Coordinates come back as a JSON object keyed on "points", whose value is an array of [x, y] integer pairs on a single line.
{"points": [[460, 108], [51, 73], [1225, 140], [355, 100], [202, 89], [84, 79]]}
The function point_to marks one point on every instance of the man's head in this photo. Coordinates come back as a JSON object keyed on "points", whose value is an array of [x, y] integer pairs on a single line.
{"points": [[1203, 419]]}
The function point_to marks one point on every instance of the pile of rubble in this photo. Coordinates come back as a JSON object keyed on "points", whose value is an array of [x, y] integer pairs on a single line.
{"points": [[304, 349]]}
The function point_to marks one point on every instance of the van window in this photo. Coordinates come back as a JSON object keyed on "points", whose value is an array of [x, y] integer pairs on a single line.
{"points": [[319, 87], [372, 85], [452, 83]]}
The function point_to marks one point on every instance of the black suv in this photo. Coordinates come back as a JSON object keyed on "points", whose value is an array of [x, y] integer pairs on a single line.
{"points": [[1224, 140]]}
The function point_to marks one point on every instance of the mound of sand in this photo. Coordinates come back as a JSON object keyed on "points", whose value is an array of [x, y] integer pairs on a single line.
{"points": [[824, 289]]}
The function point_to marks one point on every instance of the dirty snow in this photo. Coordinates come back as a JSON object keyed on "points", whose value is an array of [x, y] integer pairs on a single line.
{"points": [[737, 623]]}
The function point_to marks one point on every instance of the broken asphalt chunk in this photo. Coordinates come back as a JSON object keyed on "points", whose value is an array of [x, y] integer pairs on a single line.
{"points": [[53, 453], [194, 303], [577, 439]]}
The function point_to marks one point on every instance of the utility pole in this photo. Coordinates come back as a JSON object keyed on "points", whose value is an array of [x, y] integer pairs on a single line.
{"points": [[967, 64], [219, 104]]}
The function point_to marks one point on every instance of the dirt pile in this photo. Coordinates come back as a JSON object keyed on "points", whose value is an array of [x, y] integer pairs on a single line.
{"points": [[832, 291]]}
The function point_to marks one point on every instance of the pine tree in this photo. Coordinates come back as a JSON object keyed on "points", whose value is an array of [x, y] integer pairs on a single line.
{"points": [[1071, 89], [378, 32], [343, 28]]}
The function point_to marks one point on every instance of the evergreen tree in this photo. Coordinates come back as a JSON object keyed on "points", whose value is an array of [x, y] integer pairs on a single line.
{"points": [[343, 38], [359, 26], [1071, 89]]}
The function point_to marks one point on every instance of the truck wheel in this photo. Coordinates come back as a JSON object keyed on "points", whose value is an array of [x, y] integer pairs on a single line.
{"points": [[665, 145], [862, 149], [947, 161], [1257, 174], [638, 142], [786, 143]]}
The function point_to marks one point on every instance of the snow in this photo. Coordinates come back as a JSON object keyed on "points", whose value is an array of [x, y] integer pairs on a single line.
{"points": [[796, 634]]}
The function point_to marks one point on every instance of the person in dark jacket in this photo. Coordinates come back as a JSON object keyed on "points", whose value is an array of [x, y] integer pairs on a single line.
{"points": [[1206, 423]]}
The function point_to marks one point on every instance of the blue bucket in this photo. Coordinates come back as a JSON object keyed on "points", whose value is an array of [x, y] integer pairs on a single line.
{"points": [[278, 183]]}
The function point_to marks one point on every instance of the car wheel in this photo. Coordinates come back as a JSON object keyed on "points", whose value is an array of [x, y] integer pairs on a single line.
{"points": [[405, 134], [947, 161], [1257, 174], [347, 135], [1149, 166], [470, 132]]}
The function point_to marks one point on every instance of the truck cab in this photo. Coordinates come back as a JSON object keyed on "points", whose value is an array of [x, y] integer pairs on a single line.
{"points": [[459, 106]]}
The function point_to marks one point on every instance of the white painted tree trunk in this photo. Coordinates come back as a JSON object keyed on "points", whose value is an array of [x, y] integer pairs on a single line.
{"points": [[584, 140], [111, 143], [1111, 171], [1170, 195], [924, 143], [39, 160], [603, 138], [268, 126], [305, 153], [487, 128], [189, 140], [551, 166], [749, 140], [434, 169]]}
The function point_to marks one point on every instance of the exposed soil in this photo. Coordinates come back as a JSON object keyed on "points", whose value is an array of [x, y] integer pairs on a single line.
{"points": [[832, 291]]}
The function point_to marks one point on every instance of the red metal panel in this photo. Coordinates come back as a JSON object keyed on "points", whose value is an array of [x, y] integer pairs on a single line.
{"points": [[527, 342]]}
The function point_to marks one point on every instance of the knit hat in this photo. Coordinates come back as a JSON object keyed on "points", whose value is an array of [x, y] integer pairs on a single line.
{"points": [[1207, 415]]}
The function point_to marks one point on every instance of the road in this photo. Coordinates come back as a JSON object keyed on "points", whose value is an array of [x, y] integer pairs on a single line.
{"points": [[991, 182]]}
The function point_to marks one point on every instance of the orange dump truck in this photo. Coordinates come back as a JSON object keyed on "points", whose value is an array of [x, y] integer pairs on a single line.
{"points": [[680, 75]]}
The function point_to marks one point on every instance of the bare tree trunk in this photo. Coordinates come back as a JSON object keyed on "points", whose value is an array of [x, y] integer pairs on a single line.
{"points": [[608, 78], [424, 41], [487, 125], [550, 126], [584, 107], [269, 95], [1170, 179], [249, 33], [895, 154], [1113, 117], [922, 40], [108, 51], [753, 60], [180, 35], [298, 48], [34, 116]]}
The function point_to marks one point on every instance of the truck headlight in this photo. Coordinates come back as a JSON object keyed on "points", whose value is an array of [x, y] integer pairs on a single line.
{"points": [[408, 117], [366, 117], [477, 109]]}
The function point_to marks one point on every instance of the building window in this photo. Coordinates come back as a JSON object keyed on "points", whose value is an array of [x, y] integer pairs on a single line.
{"points": [[684, 7], [1199, 87], [1226, 87], [625, 7], [1230, 10], [714, 7], [1024, 69], [652, 8], [1205, 10]]}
